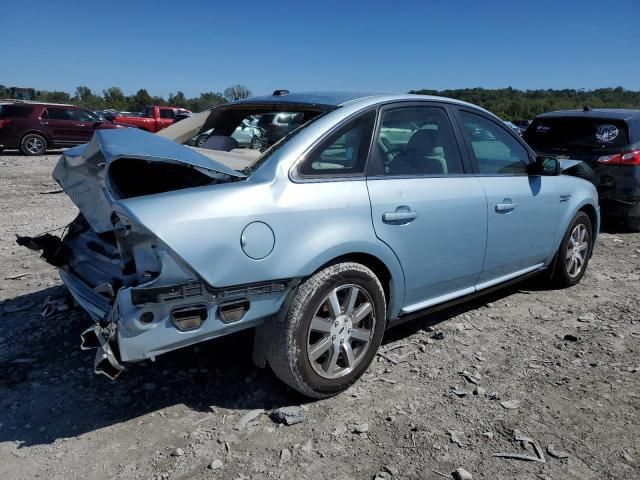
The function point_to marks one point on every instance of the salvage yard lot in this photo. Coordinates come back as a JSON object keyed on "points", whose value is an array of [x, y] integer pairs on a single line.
{"points": [[561, 367]]}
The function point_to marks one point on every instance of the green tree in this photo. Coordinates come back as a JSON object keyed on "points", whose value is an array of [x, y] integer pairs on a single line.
{"points": [[53, 96], [114, 98], [84, 96], [236, 92], [140, 100]]}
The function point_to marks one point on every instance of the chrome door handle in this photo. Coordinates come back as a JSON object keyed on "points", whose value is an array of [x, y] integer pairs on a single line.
{"points": [[80, 125], [507, 205], [401, 216], [44, 123]]}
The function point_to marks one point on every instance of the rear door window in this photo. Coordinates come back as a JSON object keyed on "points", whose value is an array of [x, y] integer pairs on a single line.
{"points": [[57, 113], [167, 113], [577, 133]]}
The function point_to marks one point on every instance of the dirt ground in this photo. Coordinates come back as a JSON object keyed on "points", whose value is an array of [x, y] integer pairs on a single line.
{"points": [[561, 367]]}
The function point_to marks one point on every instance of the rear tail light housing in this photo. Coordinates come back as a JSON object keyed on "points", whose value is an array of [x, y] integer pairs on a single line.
{"points": [[5, 122], [627, 158]]}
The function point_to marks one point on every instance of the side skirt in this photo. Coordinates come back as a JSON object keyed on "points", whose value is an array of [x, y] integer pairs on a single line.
{"points": [[466, 298]]}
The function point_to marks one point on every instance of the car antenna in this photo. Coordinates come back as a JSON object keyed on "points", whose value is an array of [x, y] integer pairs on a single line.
{"points": [[278, 93], [586, 108]]}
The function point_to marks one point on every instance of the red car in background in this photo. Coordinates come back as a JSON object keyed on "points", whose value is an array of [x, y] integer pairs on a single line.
{"points": [[153, 118], [35, 127]]}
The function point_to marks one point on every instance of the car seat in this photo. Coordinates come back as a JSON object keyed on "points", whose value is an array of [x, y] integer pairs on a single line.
{"points": [[424, 155]]}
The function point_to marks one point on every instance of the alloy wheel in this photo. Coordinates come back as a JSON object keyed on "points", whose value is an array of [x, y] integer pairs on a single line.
{"points": [[577, 250], [34, 145], [340, 332]]}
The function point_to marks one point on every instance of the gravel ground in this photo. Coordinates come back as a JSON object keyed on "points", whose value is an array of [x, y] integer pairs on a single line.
{"points": [[560, 367]]}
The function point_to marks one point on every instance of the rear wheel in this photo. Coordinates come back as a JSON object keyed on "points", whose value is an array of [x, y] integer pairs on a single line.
{"points": [[573, 256], [33, 144], [201, 139], [331, 332]]}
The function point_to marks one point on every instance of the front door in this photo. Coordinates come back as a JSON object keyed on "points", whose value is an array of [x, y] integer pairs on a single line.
{"points": [[424, 206], [84, 124], [522, 209]]}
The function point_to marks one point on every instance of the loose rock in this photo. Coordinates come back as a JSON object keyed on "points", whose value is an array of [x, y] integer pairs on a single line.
{"points": [[459, 392], [551, 450], [178, 452], [285, 456], [216, 464], [461, 474], [361, 428], [510, 404], [440, 335], [288, 415]]}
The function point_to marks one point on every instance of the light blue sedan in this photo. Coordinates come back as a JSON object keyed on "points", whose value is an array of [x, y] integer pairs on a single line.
{"points": [[373, 210]]}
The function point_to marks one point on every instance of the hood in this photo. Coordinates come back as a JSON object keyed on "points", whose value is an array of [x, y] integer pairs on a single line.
{"points": [[83, 172]]}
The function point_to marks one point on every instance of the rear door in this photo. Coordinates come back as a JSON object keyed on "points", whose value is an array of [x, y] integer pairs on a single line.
{"points": [[522, 209], [57, 123], [425, 203], [84, 124]]}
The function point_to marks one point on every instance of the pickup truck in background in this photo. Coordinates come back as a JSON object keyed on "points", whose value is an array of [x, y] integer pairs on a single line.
{"points": [[153, 119]]}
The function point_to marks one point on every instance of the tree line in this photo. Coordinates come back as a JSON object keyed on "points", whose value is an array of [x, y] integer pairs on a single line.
{"points": [[512, 104], [114, 98], [508, 103]]}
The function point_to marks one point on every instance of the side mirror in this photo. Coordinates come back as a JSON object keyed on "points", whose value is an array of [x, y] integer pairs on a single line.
{"points": [[547, 166]]}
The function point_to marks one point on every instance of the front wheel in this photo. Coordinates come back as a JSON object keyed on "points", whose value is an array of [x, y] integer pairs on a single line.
{"points": [[573, 256], [331, 332]]}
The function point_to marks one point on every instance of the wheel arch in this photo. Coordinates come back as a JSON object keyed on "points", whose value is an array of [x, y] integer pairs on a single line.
{"points": [[389, 273], [37, 132], [591, 211]]}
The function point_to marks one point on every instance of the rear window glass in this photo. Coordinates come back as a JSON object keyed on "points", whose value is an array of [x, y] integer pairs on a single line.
{"points": [[14, 111], [586, 133]]}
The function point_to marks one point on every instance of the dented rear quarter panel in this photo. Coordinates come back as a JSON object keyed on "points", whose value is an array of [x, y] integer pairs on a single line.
{"points": [[312, 224]]}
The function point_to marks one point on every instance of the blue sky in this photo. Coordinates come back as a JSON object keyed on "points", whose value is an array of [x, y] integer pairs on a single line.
{"points": [[389, 46]]}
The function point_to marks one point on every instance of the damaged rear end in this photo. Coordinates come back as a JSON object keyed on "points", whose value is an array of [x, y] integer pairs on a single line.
{"points": [[142, 295]]}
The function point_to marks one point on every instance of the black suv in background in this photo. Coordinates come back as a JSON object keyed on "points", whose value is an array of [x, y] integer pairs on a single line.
{"points": [[608, 141], [35, 127]]}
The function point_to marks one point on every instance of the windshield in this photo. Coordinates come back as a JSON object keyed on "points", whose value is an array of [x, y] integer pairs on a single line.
{"points": [[577, 133]]}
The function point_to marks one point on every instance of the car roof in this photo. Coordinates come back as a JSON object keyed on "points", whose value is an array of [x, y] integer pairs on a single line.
{"points": [[607, 113], [337, 99], [30, 103]]}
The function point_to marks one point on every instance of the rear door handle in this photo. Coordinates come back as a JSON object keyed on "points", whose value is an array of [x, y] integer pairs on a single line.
{"points": [[401, 216], [506, 206], [44, 123], [81, 125]]}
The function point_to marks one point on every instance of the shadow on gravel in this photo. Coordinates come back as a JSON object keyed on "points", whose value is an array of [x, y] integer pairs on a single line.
{"points": [[48, 389]]}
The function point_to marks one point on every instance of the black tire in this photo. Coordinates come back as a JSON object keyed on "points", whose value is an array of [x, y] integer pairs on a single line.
{"points": [[288, 355], [632, 223], [563, 276], [200, 139], [256, 144], [33, 144]]}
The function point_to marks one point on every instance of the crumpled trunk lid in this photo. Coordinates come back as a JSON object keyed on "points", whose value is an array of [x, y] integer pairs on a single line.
{"points": [[83, 172]]}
